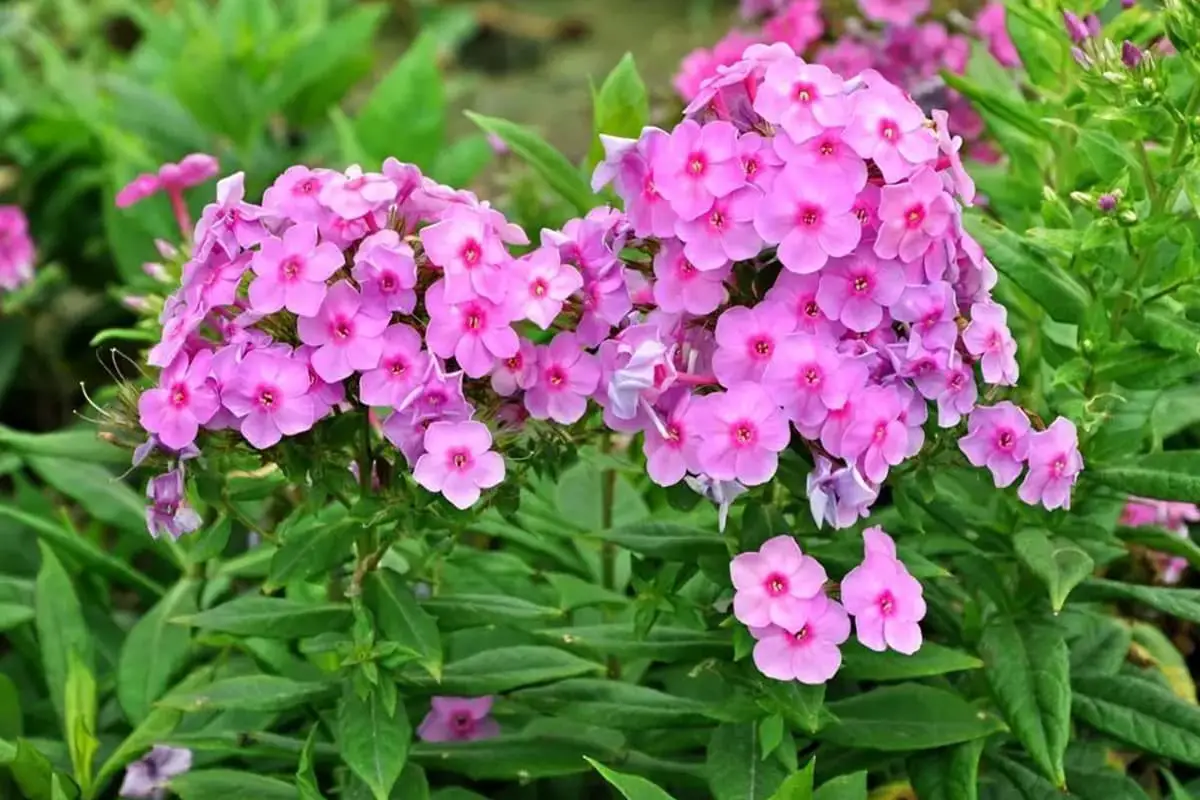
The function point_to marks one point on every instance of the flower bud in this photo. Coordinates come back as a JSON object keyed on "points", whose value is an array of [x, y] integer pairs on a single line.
{"points": [[1106, 203], [1092, 22], [1127, 4], [1083, 198], [156, 271], [166, 249], [1129, 217], [1131, 55], [1075, 28], [1081, 58]]}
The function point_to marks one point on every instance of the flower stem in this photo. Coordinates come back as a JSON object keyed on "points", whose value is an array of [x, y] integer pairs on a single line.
{"points": [[180, 210], [608, 552]]}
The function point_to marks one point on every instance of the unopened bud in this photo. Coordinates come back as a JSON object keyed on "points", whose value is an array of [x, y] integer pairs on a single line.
{"points": [[136, 303], [1127, 4], [1131, 55], [1083, 198], [165, 248], [1081, 58], [1093, 24], [1129, 217], [156, 271], [1106, 203], [1075, 28]]}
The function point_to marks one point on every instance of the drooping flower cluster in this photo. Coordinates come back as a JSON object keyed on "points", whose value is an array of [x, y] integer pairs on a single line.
{"points": [[780, 595], [1170, 516], [16, 249]]}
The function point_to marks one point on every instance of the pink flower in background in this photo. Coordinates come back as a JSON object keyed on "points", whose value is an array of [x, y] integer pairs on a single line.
{"points": [[566, 376], [545, 283], [680, 286], [697, 165], [671, 449], [998, 438], [798, 25], [269, 395], [809, 218], [912, 215], [724, 233], [402, 368], [475, 332], [741, 433], [192, 170], [346, 334], [991, 26], [773, 585], [16, 249], [809, 654], [884, 599], [458, 719], [459, 462], [847, 56], [291, 272], [988, 336], [857, 289], [183, 401], [137, 190], [1054, 464], [897, 12], [385, 269], [803, 99]]}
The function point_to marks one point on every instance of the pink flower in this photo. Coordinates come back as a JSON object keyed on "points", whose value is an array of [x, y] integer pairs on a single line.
{"points": [[459, 462], [809, 377], [808, 214], [470, 254], [458, 719], [150, 775], [810, 653], [998, 438], [741, 432], [724, 233], [954, 389], [292, 271], [897, 12], [1054, 463], [168, 511], [295, 194], [517, 372], [798, 294], [566, 377], [16, 249], [773, 585], [183, 401], [912, 215], [402, 368], [698, 165], [847, 56], [988, 336], [680, 286], [959, 180], [931, 312], [798, 25], [636, 367], [838, 496], [890, 129], [826, 151], [991, 26], [803, 99], [885, 601], [269, 393], [759, 160], [356, 194], [137, 190], [746, 341], [876, 435], [347, 335], [474, 332], [545, 283], [634, 169], [439, 396], [385, 269], [230, 223], [671, 448], [857, 289]]}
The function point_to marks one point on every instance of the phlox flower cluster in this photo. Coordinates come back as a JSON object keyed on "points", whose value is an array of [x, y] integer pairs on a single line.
{"points": [[16, 249], [1172, 517], [780, 596]]}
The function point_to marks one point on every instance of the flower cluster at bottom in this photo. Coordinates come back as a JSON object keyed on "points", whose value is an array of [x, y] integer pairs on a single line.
{"points": [[1140, 512], [780, 596]]}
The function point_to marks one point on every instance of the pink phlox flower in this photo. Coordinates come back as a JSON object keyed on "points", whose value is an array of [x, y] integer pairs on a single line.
{"points": [[230, 223], [325, 395], [988, 336], [137, 190], [809, 377], [407, 178], [1140, 512], [474, 332], [912, 215], [876, 435], [403, 365], [295, 194], [343, 232], [722, 494], [458, 719], [517, 372], [772, 585], [798, 25], [149, 776], [1054, 464], [723, 233], [803, 99], [991, 26], [682, 287], [291, 271], [622, 165], [16, 249], [798, 294], [839, 496], [544, 285], [183, 400], [387, 272], [168, 511], [957, 179], [439, 396], [356, 194], [760, 161], [856, 290], [896, 12], [728, 96], [886, 602], [606, 303], [635, 181], [754, 9], [747, 339], [998, 437], [954, 389], [825, 151], [346, 333], [742, 431], [269, 394], [566, 376], [470, 254], [808, 214], [809, 654], [914, 415], [931, 311], [847, 56], [671, 451], [459, 462], [889, 128], [192, 170], [636, 368], [697, 165]]}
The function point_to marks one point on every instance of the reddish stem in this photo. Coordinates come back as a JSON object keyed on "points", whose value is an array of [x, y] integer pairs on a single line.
{"points": [[180, 210]]}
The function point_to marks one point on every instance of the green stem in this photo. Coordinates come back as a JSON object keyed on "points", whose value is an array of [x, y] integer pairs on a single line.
{"points": [[608, 552]]}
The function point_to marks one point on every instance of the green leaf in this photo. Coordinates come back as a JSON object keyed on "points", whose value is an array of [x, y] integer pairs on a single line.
{"points": [[505, 669], [800, 704], [799, 785], [735, 768], [405, 115], [576, 593], [306, 776], [1140, 713], [79, 444], [372, 739], [13, 615], [401, 620], [631, 787], [667, 540], [80, 721], [620, 108], [614, 704], [228, 784], [1060, 565], [412, 784], [908, 716], [1173, 475], [96, 489], [509, 757], [271, 618], [61, 629], [484, 609], [1168, 330], [547, 162], [948, 773], [12, 340], [1027, 784], [321, 56], [843, 787], [932, 659], [663, 643], [1167, 659], [770, 733], [154, 651], [1028, 669], [33, 773], [1182, 603], [248, 692], [307, 550], [12, 723], [1101, 648]]}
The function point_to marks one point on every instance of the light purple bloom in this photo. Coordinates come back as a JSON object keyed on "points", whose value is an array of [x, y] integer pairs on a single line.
{"points": [[803, 99], [809, 377], [544, 285], [183, 401], [356, 194], [403, 365], [230, 223], [169, 511], [826, 152], [809, 654], [773, 585], [889, 128], [913, 214], [458, 719], [931, 310], [292, 271], [345, 332], [988, 336], [295, 194], [148, 776], [1054, 464], [671, 450], [470, 254], [741, 433], [724, 233], [269, 394], [876, 434], [884, 599], [839, 496], [698, 165], [998, 438], [475, 332], [566, 376], [681, 286], [857, 289], [517, 372], [747, 339], [808, 214], [459, 462], [385, 269]]}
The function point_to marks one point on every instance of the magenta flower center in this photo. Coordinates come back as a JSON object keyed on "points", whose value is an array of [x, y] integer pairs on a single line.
{"points": [[861, 213], [861, 284], [179, 395], [993, 341], [460, 459], [887, 604], [827, 148], [1005, 440], [880, 432], [674, 432], [514, 363], [387, 282], [802, 634], [776, 584], [266, 397], [716, 219], [812, 376], [397, 367], [556, 376], [342, 328], [889, 130], [761, 347], [434, 398], [686, 269], [743, 433], [1058, 466], [805, 92], [956, 381], [474, 320], [471, 253], [914, 217], [462, 723], [290, 268], [306, 186], [809, 215], [696, 164], [539, 288], [751, 166], [811, 309], [649, 190]]}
